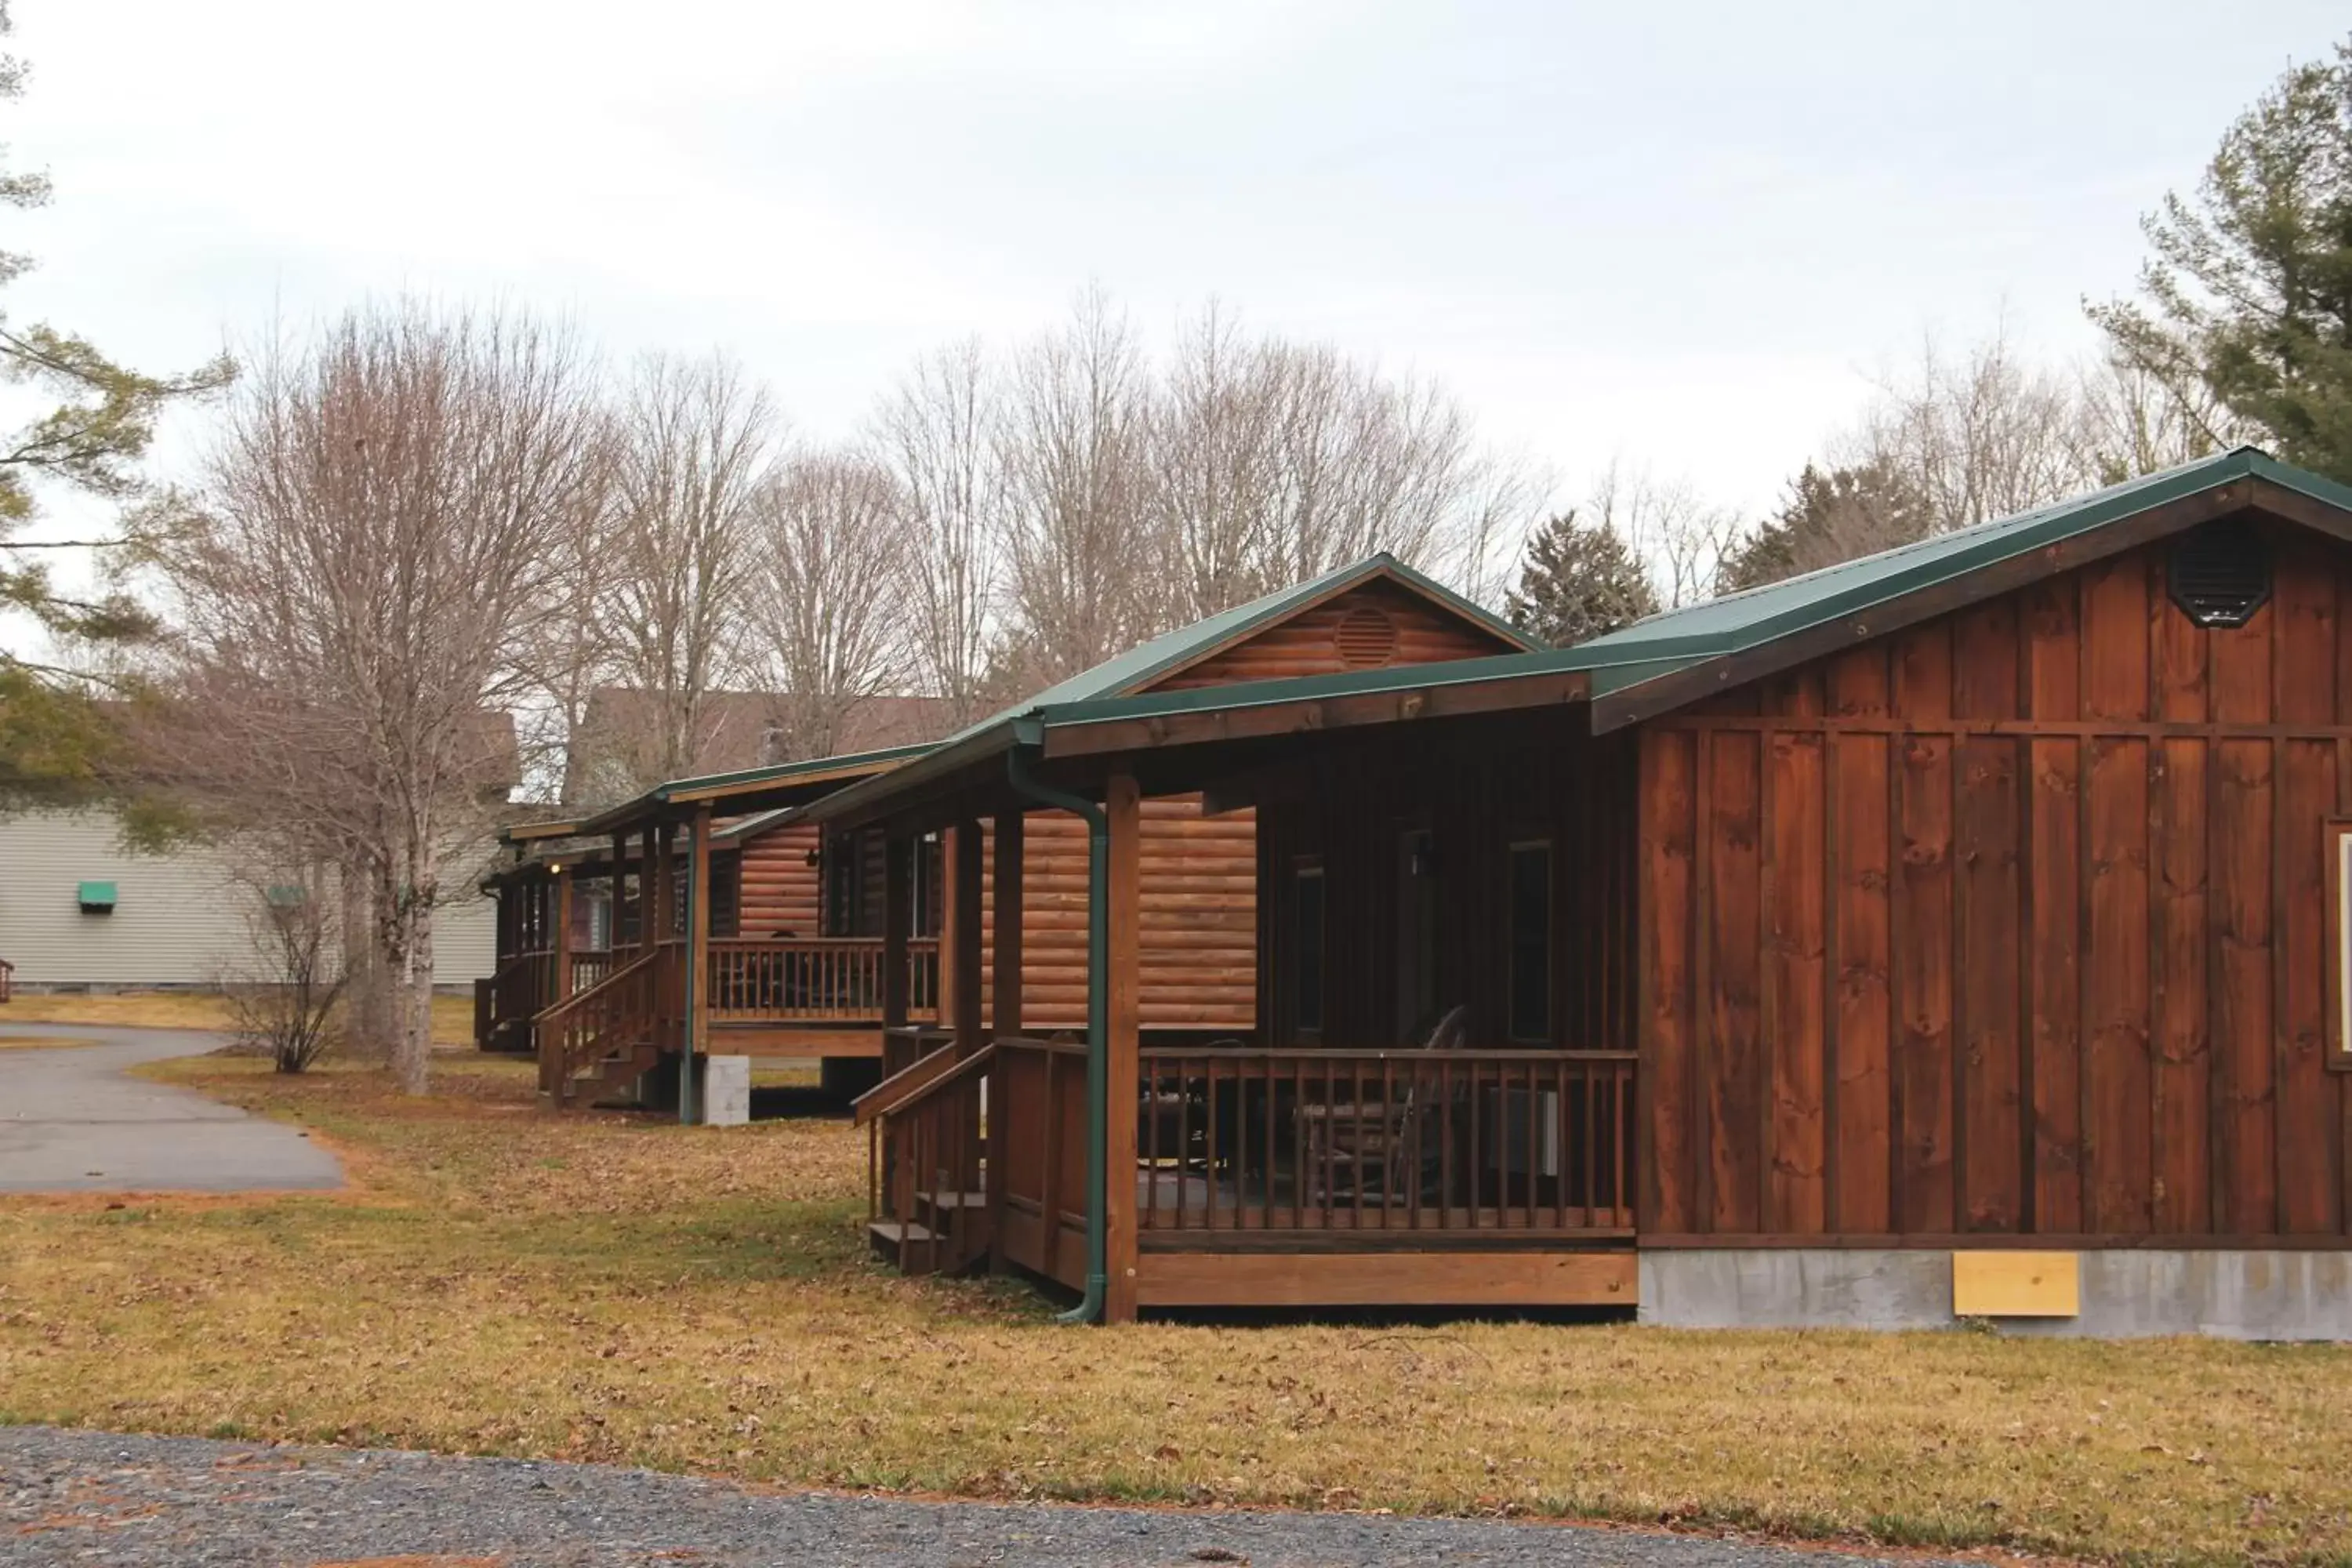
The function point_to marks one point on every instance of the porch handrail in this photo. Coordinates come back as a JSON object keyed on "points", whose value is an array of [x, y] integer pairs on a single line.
{"points": [[7, 976], [1367, 1140], [909, 1083], [560, 1052]]}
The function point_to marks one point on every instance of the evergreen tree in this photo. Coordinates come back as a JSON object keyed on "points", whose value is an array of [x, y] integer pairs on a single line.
{"points": [[2249, 294], [55, 741], [1830, 516], [1579, 581]]}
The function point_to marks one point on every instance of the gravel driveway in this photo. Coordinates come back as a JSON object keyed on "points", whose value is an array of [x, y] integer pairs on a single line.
{"points": [[91, 1498], [71, 1120]]}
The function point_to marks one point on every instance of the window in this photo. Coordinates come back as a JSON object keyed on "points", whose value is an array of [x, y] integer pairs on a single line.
{"points": [[96, 898], [1306, 937], [726, 892], [1531, 911], [2338, 843]]}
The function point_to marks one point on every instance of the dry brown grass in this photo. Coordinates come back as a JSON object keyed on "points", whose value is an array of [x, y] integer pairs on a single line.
{"points": [[453, 1016], [502, 1280], [40, 1043]]}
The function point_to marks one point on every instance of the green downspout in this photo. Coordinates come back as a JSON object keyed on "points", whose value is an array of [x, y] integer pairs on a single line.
{"points": [[686, 1095], [1016, 765]]}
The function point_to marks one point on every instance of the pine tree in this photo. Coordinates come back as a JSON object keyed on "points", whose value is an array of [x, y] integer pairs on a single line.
{"points": [[1830, 516], [55, 742], [2249, 294], [1578, 582]]}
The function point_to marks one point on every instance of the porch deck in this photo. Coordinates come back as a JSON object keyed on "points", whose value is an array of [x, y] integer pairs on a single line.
{"points": [[1286, 1177]]}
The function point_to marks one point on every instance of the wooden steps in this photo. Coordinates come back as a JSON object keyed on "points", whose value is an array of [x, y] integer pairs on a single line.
{"points": [[936, 1242]]}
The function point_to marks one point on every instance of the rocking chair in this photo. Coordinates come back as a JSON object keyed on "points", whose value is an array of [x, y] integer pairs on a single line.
{"points": [[1360, 1150]]}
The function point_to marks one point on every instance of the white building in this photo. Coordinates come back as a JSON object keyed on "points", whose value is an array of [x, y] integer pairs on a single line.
{"points": [[77, 908]]}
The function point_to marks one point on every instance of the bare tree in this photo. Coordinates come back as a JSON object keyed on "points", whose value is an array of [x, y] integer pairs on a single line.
{"points": [[1272, 462], [1217, 469], [939, 433], [826, 612], [283, 988], [386, 504], [1980, 436], [2137, 419], [1076, 544], [1665, 523], [695, 442]]}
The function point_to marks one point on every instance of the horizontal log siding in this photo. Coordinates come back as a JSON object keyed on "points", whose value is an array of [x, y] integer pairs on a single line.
{"points": [[1200, 919], [780, 889], [2009, 923], [1309, 643]]}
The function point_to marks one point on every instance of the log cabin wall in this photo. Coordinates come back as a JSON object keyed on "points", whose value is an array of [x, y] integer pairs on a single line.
{"points": [[1366, 627], [781, 887], [2012, 923], [1476, 788], [1200, 919]]}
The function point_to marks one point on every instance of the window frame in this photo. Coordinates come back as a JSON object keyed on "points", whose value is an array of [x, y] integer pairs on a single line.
{"points": [[1512, 851]]}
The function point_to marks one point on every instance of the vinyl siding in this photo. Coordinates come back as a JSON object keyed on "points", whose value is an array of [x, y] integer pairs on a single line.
{"points": [[176, 921]]}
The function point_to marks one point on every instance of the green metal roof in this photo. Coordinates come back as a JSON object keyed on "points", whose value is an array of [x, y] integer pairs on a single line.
{"points": [[780, 775], [1740, 621], [1141, 666], [1679, 639], [1660, 646]]}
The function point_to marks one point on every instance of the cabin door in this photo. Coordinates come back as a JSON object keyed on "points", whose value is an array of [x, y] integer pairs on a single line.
{"points": [[1416, 937]]}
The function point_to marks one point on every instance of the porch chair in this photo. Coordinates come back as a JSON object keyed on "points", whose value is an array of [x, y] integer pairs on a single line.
{"points": [[1358, 1149]]}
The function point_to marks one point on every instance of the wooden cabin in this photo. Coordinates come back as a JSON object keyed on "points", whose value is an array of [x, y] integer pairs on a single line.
{"points": [[1956, 933], [789, 932]]}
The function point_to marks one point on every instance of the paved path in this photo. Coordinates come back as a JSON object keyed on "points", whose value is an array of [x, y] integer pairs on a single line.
{"points": [[73, 1121], [88, 1498]]}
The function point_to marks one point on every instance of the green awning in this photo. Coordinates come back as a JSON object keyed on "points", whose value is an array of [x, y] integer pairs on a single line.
{"points": [[96, 896]]}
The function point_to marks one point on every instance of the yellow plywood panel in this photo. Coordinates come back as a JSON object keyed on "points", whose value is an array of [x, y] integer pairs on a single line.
{"points": [[2016, 1284]]}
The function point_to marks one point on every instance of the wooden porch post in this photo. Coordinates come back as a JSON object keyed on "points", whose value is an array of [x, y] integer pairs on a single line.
{"points": [[950, 968], [1004, 1014], [1122, 804], [620, 886], [563, 933], [963, 922], [898, 914], [1004, 1022], [698, 966]]}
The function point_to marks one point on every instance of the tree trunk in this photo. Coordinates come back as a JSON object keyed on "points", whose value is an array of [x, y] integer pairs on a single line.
{"points": [[412, 933], [359, 939]]}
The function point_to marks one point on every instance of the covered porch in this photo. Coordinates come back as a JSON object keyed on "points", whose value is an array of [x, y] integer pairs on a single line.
{"points": [[1437, 1104], [622, 945]]}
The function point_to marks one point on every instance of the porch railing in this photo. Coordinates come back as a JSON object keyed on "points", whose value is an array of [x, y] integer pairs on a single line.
{"points": [[1396, 1141], [635, 1007], [589, 966], [7, 978], [798, 979], [524, 985]]}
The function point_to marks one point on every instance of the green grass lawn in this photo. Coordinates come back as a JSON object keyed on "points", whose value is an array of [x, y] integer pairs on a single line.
{"points": [[502, 1280]]}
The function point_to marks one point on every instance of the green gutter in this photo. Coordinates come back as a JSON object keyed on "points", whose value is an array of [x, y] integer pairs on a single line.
{"points": [[1016, 772], [687, 1108]]}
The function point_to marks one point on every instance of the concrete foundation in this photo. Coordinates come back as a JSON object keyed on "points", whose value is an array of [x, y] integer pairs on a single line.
{"points": [[724, 1090], [2125, 1292]]}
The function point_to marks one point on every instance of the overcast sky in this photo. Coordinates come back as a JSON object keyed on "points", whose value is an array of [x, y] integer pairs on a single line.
{"points": [[1682, 235]]}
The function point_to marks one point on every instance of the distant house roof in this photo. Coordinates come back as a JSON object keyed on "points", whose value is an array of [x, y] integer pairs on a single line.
{"points": [[737, 730]]}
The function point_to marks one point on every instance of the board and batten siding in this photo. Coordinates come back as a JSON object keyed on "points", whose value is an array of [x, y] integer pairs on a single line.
{"points": [[2012, 923], [175, 922]]}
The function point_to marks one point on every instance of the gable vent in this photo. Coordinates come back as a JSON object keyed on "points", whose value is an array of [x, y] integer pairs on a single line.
{"points": [[2221, 574], [1366, 638]]}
